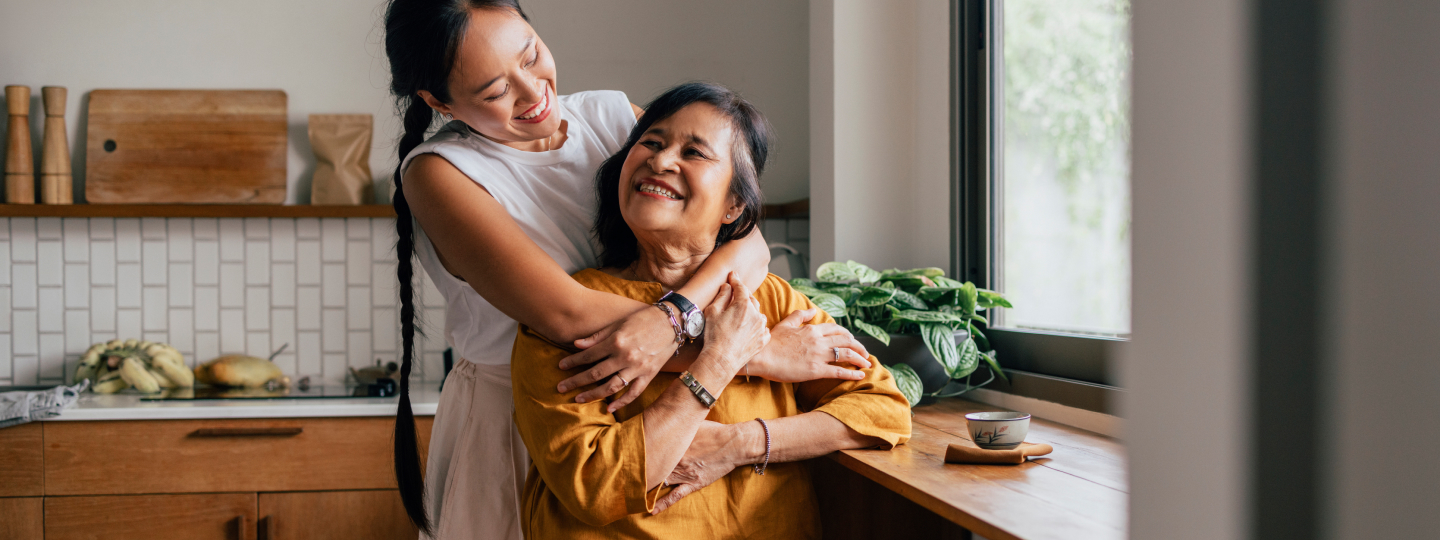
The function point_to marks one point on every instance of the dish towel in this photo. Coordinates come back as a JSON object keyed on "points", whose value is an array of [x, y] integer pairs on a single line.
{"points": [[20, 407], [979, 456]]}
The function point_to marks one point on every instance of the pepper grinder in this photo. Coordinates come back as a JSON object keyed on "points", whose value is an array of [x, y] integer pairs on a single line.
{"points": [[55, 177], [19, 162]]}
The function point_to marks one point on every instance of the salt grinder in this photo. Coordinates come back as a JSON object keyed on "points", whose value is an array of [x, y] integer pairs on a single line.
{"points": [[55, 177], [19, 162]]}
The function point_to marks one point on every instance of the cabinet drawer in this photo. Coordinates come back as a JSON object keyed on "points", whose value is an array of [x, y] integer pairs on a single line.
{"points": [[353, 515], [21, 518], [218, 516], [197, 456], [21, 456]]}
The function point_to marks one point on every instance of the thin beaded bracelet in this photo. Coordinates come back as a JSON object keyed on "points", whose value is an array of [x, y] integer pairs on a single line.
{"points": [[760, 467]]}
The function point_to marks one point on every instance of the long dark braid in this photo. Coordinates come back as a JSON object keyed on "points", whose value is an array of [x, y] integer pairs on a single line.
{"points": [[421, 37]]}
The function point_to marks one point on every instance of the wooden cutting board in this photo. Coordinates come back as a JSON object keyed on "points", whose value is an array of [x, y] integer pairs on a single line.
{"points": [[186, 146]]}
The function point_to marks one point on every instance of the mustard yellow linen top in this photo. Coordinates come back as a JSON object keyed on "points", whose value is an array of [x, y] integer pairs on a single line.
{"points": [[587, 479]]}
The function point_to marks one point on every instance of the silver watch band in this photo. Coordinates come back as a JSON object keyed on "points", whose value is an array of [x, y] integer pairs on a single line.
{"points": [[698, 389]]}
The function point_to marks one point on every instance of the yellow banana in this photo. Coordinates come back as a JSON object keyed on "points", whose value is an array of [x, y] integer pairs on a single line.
{"points": [[175, 371], [134, 373], [160, 378], [110, 387]]}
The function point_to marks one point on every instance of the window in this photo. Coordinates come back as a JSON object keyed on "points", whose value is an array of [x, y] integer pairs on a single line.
{"points": [[1042, 169], [1061, 163]]}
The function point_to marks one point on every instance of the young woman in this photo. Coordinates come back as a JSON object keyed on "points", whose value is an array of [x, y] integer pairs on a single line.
{"points": [[504, 199]]}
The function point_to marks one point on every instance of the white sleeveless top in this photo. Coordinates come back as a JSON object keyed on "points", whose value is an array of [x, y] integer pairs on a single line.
{"points": [[551, 195]]}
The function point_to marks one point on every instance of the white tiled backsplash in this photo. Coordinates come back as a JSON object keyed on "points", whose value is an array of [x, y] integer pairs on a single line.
{"points": [[208, 287]]}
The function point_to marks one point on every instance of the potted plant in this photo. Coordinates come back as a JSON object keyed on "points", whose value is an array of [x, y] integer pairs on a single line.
{"points": [[918, 322]]}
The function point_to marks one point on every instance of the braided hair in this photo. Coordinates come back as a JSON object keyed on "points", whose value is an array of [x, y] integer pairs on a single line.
{"points": [[421, 40]]}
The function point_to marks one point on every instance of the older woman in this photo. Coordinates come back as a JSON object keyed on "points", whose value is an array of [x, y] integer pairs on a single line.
{"points": [[706, 453]]}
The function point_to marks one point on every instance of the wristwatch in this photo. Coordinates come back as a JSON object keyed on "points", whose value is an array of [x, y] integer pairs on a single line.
{"points": [[698, 389], [691, 320]]}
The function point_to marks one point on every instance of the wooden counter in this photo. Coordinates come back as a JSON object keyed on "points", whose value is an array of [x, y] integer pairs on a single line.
{"points": [[1077, 492]]}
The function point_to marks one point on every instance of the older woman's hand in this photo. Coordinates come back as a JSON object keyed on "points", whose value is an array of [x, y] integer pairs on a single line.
{"points": [[735, 330], [716, 450], [800, 352]]}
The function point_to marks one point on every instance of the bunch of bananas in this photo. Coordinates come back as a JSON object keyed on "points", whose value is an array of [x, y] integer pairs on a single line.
{"points": [[119, 364]]}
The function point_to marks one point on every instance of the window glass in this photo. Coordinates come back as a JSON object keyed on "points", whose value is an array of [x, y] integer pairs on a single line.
{"points": [[1062, 163]]}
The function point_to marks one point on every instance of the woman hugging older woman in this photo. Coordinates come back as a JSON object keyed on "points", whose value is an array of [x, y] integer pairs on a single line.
{"points": [[707, 452]]}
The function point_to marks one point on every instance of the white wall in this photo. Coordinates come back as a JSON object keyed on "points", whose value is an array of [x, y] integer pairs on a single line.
{"points": [[642, 47], [880, 171], [328, 55], [1184, 372]]}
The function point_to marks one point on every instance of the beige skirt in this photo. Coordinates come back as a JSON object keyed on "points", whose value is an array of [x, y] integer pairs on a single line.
{"points": [[476, 468]]}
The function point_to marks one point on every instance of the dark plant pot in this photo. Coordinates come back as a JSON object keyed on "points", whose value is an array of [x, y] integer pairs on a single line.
{"points": [[910, 350]]}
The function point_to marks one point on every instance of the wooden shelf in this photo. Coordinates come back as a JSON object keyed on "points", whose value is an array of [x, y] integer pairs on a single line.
{"points": [[196, 210]]}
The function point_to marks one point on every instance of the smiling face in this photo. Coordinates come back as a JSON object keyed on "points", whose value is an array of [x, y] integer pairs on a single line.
{"points": [[503, 81], [675, 182]]}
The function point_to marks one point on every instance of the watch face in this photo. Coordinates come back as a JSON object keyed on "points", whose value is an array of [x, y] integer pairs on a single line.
{"points": [[695, 325]]}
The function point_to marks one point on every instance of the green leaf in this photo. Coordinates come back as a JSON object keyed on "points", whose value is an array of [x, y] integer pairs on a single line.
{"points": [[894, 325], [887, 285], [941, 342], [908, 382], [835, 271], [917, 316], [827, 285], [991, 299], [874, 331], [848, 294], [910, 283], [808, 291], [930, 272], [831, 304], [942, 281], [863, 273], [875, 296], [906, 300], [979, 318], [979, 337], [965, 298], [994, 365], [969, 359], [801, 282]]}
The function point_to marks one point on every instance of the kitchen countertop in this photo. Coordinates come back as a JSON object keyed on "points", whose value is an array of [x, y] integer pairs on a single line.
{"points": [[130, 407]]}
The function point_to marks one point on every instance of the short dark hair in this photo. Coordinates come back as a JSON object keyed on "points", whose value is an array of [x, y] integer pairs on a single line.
{"points": [[749, 153]]}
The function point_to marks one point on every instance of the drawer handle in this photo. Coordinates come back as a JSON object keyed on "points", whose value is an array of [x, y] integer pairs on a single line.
{"points": [[248, 432]]}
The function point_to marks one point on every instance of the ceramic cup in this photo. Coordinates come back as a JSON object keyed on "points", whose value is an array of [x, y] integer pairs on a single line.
{"points": [[998, 430]]}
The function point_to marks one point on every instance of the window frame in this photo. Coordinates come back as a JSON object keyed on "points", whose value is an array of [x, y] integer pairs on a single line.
{"points": [[1069, 365]]}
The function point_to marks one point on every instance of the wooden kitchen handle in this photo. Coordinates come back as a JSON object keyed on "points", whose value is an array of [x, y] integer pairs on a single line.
{"points": [[242, 527], [248, 432]]}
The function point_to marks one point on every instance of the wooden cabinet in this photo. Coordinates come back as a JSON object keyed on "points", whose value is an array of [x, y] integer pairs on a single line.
{"points": [[236, 479], [209, 516], [21, 459], [22, 518], [348, 515]]}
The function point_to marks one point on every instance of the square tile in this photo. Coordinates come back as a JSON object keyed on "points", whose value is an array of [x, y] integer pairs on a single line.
{"points": [[383, 284], [258, 344], [25, 370], [5, 262], [158, 336], [154, 265], [4, 235], [52, 356], [102, 263], [357, 264], [286, 362], [257, 228], [127, 285], [358, 349], [77, 285], [48, 228], [335, 368], [358, 307], [307, 228], [332, 330], [102, 309], [207, 348], [4, 319], [382, 239], [257, 308], [77, 239], [307, 263], [5, 366], [182, 287], [207, 308], [357, 228], [282, 329], [385, 329], [152, 228], [257, 263]]}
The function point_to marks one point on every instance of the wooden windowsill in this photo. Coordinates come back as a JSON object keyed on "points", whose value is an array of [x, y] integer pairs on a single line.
{"points": [[196, 210], [1078, 492]]}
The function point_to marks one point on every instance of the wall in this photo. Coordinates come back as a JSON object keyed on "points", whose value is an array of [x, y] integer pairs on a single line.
{"points": [[328, 55], [326, 287], [879, 130]]}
